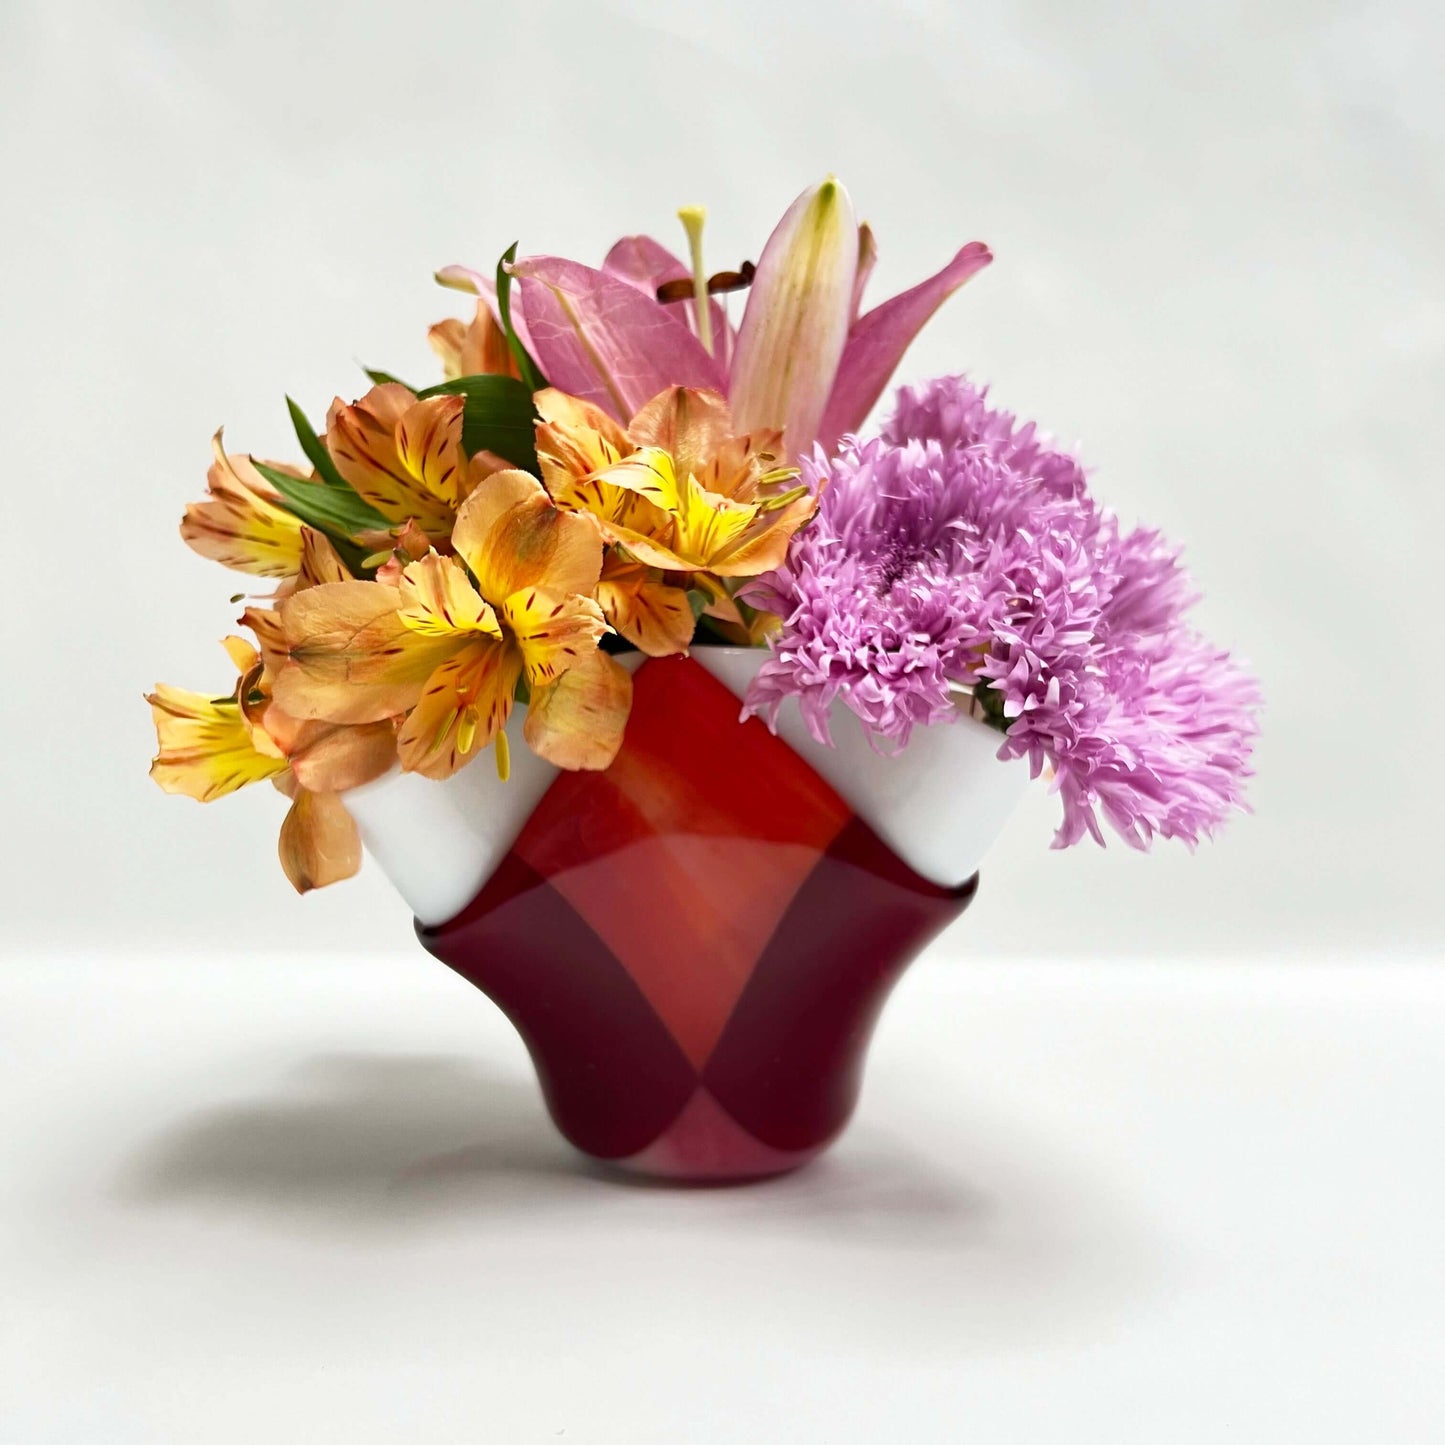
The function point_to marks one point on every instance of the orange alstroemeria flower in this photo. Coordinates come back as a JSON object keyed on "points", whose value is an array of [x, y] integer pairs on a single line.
{"points": [[683, 502], [209, 747], [449, 653], [475, 348], [402, 455], [243, 523]]}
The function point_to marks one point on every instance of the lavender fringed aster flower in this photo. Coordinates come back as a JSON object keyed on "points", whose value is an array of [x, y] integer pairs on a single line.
{"points": [[959, 556]]}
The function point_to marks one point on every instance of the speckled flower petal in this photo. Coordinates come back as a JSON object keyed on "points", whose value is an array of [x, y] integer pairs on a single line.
{"points": [[438, 600], [463, 705], [553, 632], [654, 616], [241, 524], [351, 657], [206, 748], [512, 536], [690, 425], [578, 721], [429, 445], [362, 440]]}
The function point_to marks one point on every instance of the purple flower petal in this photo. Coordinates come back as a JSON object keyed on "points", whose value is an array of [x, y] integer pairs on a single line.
{"points": [[960, 552]]}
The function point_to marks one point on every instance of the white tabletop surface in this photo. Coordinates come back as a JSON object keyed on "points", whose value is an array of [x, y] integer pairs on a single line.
{"points": [[297, 1199]]}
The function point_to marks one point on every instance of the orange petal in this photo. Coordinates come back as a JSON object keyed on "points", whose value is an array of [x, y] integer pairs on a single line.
{"points": [[464, 704], [512, 537], [362, 441], [429, 445], [447, 338], [241, 525], [647, 548], [578, 721], [412, 541], [650, 473], [740, 463], [478, 349], [206, 749], [653, 616], [270, 636], [689, 424], [351, 657], [438, 600], [765, 545], [578, 434], [332, 757], [319, 843], [320, 561], [553, 633], [241, 653]]}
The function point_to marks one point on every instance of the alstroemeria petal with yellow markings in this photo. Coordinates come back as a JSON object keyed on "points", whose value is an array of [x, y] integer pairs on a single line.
{"points": [[320, 561], [655, 617], [650, 473], [319, 842], [553, 632], [362, 440], [429, 445], [575, 440], [764, 545], [740, 466], [462, 706], [578, 721], [438, 600], [240, 524], [710, 526], [351, 657], [205, 746], [689, 425], [512, 536]]}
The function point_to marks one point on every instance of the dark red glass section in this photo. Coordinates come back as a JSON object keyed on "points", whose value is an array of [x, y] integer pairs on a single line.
{"points": [[696, 944]]}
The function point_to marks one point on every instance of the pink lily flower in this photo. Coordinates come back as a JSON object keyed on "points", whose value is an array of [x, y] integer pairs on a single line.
{"points": [[803, 358]]}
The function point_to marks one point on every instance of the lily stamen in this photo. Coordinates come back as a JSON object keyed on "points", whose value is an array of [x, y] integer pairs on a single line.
{"points": [[692, 218]]}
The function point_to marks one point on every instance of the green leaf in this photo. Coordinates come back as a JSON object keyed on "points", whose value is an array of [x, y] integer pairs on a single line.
{"points": [[385, 378], [531, 373], [331, 505], [498, 417], [315, 448], [338, 514], [697, 599]]}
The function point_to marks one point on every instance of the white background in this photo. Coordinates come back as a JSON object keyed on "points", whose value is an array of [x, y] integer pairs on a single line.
{"points": [[1218, 231], [1190, 1190]]}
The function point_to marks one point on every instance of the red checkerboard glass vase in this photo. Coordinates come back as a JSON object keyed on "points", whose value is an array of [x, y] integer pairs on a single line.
{"points": [[696, 943]]}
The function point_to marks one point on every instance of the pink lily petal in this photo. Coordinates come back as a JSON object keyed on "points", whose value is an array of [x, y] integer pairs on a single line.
{"points": [[796, 322], [877, 341], [601, 339], [867, 258], [463, 278], [646, 264]]}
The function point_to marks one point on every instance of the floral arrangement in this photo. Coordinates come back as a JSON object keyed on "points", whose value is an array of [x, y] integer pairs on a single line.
{"points": [[610, 464]]}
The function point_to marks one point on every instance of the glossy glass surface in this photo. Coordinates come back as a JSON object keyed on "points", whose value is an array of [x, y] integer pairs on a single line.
{"points": [[695, 944]]}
